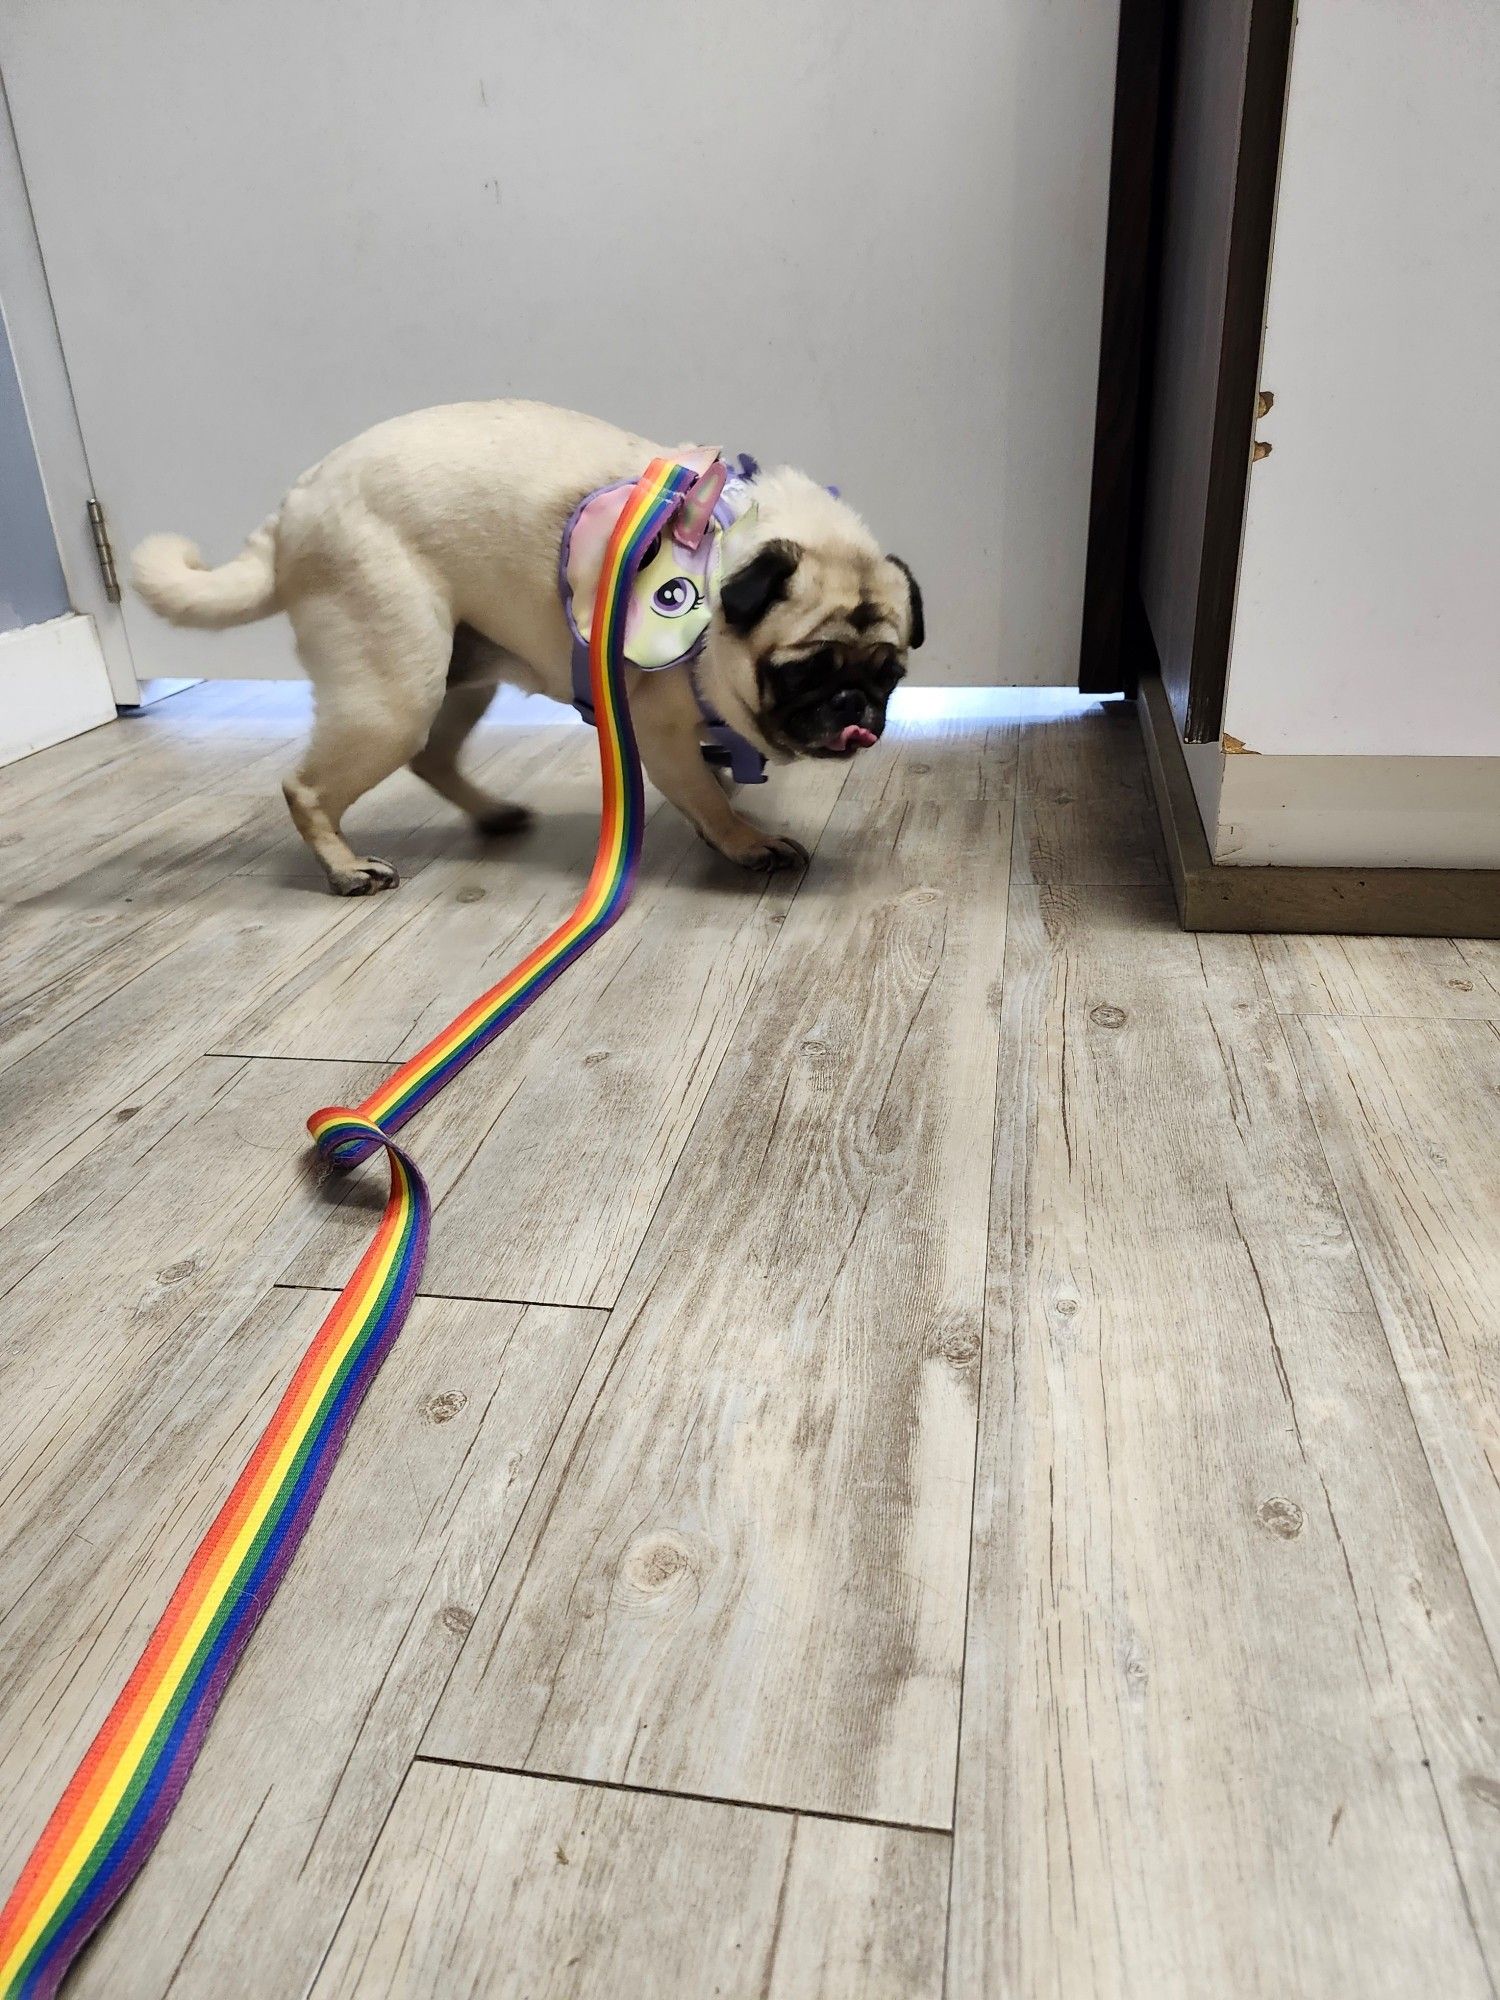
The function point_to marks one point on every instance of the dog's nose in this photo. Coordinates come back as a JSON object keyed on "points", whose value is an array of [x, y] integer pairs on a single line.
{"points": [[848, 706]]}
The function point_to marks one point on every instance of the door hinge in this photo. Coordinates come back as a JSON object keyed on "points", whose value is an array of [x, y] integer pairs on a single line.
{"points": [[104, 550]]}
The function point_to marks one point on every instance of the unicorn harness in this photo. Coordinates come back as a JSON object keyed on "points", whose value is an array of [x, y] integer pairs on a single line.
{"points": [[672, 599]]}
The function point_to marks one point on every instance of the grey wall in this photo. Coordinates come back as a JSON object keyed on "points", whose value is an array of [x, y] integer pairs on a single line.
{"points": [[31, 579]]}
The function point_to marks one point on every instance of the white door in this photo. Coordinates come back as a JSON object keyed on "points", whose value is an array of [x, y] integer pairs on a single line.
{"points": [[863, 235]]}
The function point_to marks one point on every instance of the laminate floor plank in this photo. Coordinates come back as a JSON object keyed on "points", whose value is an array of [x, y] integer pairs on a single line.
{"points": [[750, 1583], [1409, 1112], [1085, 811], [1230, 1720], [1443, 979], [513, 1888]]}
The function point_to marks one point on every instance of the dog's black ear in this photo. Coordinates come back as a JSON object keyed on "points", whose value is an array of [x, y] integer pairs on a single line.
{"points": [[918, 623], [749, 594]]}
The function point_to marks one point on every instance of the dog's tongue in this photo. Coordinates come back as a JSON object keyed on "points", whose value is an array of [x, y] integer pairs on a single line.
{"points": [[854, 738]]}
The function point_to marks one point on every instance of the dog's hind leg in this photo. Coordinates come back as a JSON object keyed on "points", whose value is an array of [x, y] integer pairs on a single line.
{"points": [[437, 761], [378, 677]]}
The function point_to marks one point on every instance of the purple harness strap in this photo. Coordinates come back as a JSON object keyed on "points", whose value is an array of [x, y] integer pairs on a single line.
{"points": [[723, 746]]}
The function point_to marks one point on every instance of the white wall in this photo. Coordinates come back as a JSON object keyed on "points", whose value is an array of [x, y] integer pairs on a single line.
{"points": [[1367, 622], [861, 234]]}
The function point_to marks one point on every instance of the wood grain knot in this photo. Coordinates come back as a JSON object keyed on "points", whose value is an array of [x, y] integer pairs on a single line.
{"points": [[1280, 1517], [919, 770], [595, 1057], [655, 1563], [444, 1408], [960, 1346], [457, 1619], [1484, 1789], [1462, 985], [1104, 1016], [173, 1274], [126, 1111], [1067, 1305], [471, 894]]}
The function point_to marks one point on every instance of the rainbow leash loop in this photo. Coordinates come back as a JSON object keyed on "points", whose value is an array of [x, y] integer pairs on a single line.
{"points": [[122, 1794]]}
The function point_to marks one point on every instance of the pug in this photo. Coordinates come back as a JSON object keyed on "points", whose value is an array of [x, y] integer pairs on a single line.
{"points": [[429, 560]]}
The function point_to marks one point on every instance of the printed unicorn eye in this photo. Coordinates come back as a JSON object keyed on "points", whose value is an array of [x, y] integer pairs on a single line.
{"points": [[676, 597]]}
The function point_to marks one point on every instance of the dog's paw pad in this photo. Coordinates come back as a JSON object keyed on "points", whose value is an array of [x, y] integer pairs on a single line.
{"points": [[367, 878], [776, 853], [504, 818]]}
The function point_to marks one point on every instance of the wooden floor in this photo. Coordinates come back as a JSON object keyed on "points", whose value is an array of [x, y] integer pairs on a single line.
{"points": [[952, 1444]]}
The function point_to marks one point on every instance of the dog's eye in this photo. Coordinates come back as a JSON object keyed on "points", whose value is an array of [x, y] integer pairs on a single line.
{"points": [[801, 679], [676, 597]]}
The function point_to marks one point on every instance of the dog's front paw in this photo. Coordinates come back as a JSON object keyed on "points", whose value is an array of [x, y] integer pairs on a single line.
{"points": [[502, 818], [767, 853], [366, 878]]}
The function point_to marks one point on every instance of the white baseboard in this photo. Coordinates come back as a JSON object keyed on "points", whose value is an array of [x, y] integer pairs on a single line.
{"points": [[53, 684], [1358, 812]]}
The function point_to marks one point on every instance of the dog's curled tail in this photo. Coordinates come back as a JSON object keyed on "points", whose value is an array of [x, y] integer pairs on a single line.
{"points": [[175, 581]]}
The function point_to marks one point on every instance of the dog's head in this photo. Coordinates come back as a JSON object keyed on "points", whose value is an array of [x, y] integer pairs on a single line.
{"points": [[817, 623]]}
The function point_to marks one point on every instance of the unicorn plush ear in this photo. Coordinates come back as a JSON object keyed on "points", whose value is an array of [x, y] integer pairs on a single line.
{"points": [[695, 515], [738, 535]]}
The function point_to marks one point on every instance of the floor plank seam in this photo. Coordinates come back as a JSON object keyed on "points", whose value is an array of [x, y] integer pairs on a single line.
{"points": [[1366, 1014], [984, 1342], [251, 1055], [694, 1798], [335, 1928], [460, 1298]]}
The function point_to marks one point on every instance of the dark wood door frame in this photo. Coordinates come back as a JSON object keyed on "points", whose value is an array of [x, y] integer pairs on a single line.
{"points": [[1132, 249], [1140, 191]]}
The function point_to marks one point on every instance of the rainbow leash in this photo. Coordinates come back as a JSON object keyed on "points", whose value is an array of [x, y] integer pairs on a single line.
{"points": [[122, 1794]]}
